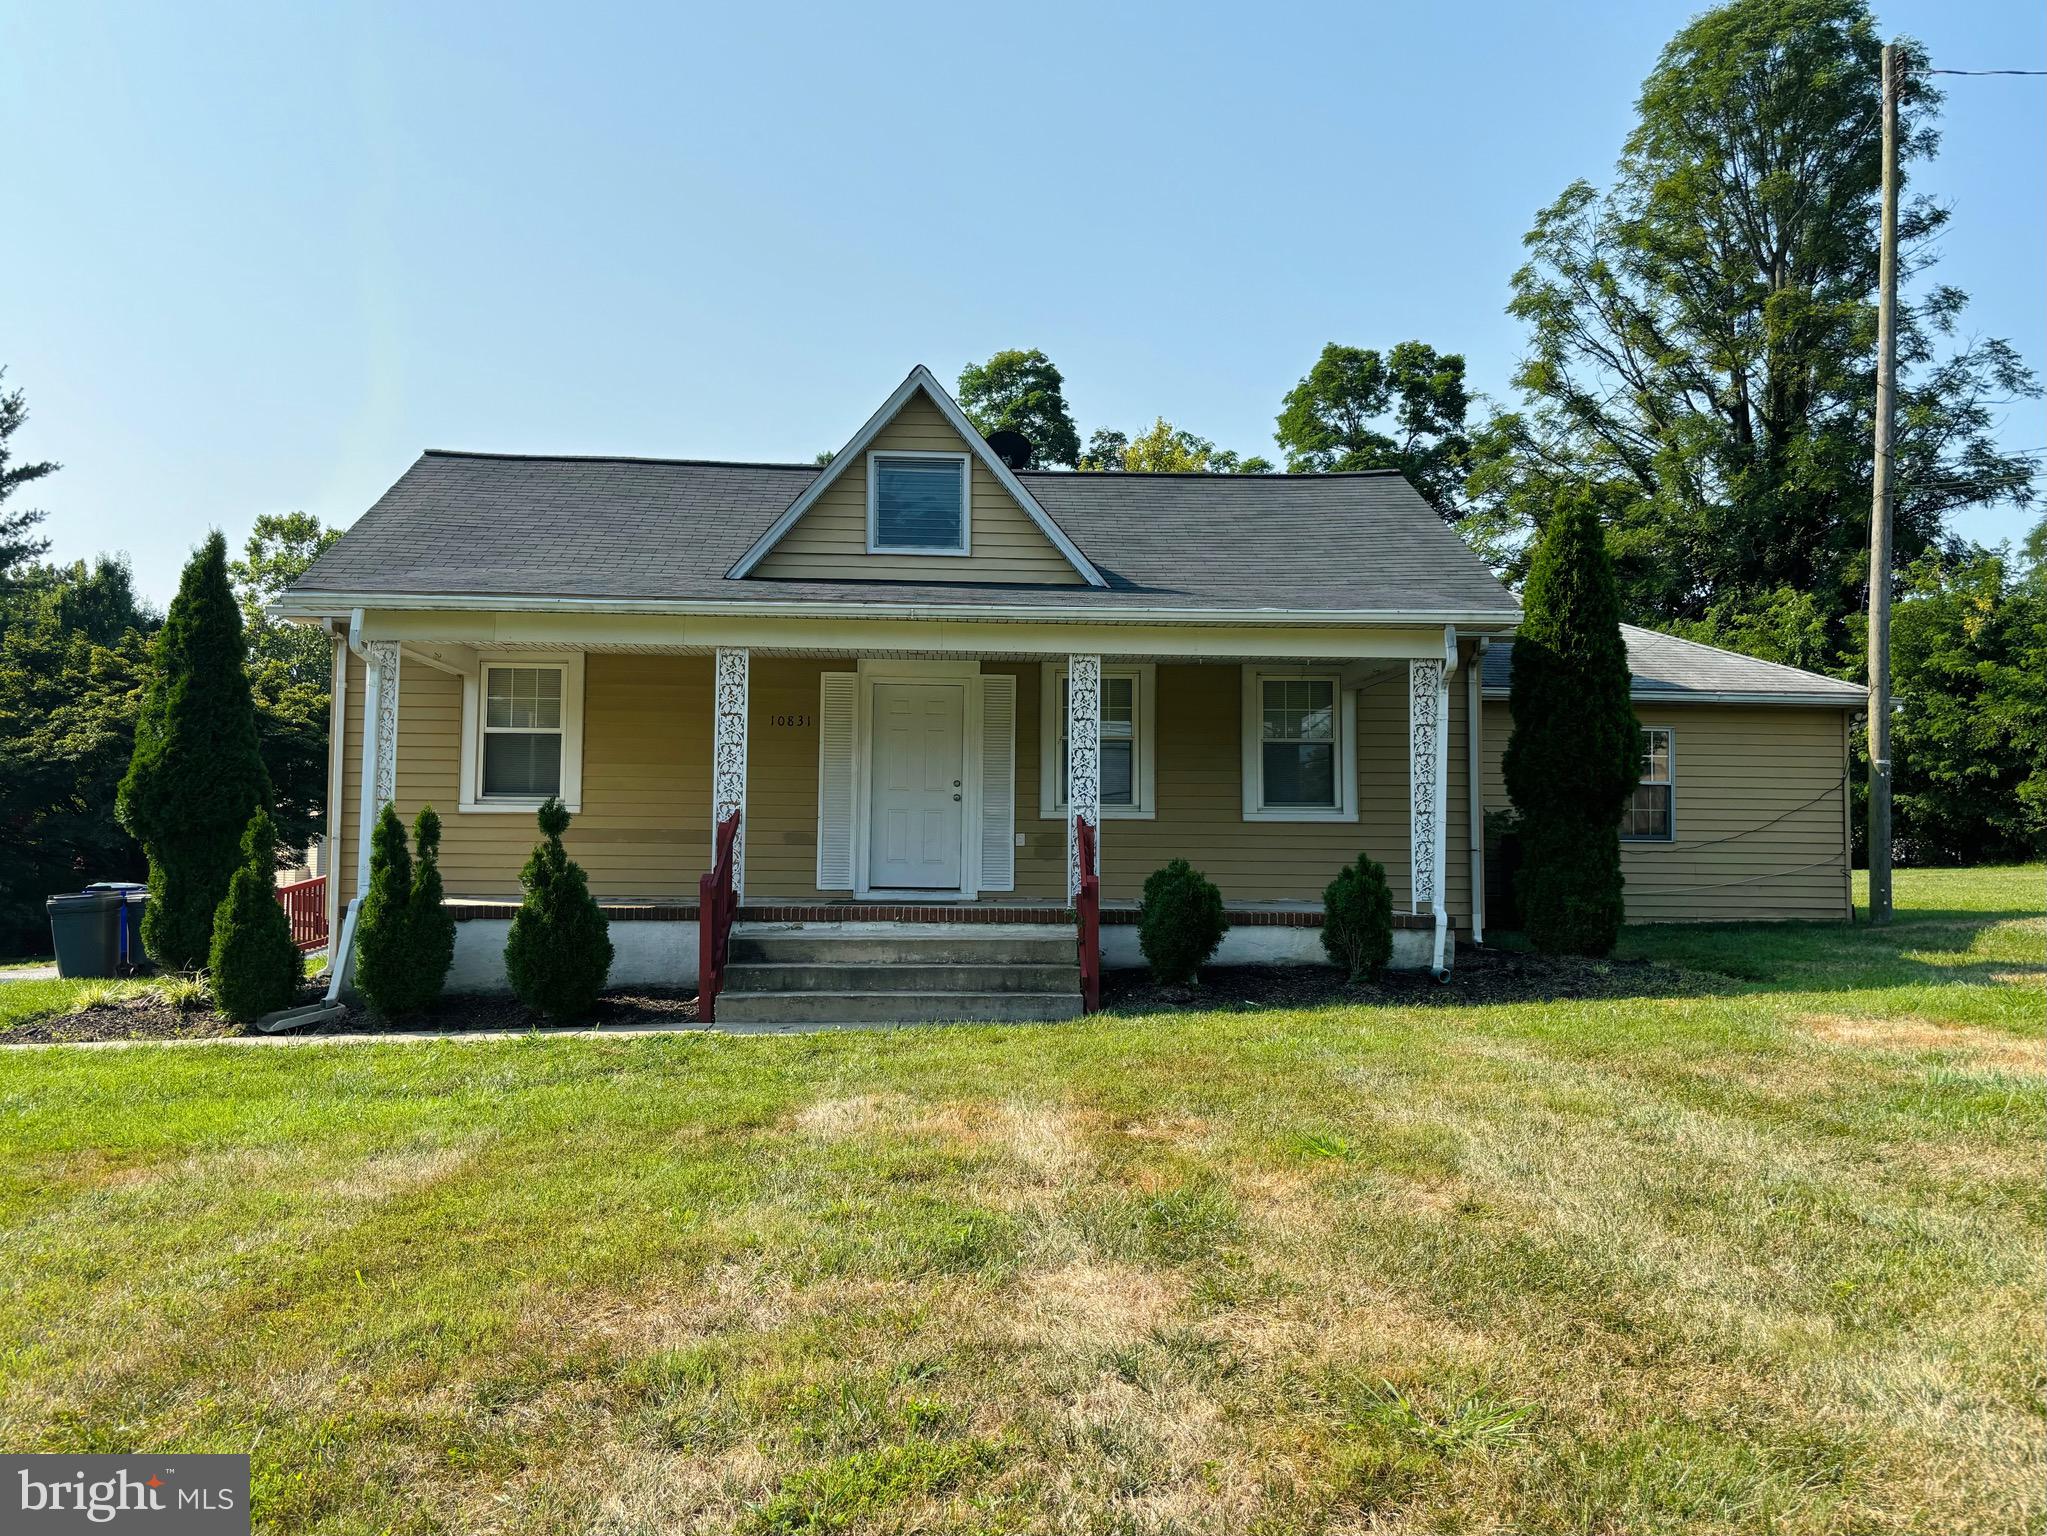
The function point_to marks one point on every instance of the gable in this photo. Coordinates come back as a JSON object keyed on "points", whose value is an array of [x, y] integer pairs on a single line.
{"points": [[829, 541]]}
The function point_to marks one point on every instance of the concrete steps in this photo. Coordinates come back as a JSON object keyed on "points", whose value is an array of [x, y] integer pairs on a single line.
{"points": [[880, 973]]}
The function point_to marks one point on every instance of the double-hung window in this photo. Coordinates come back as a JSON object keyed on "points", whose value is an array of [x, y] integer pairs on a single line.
{"points": [[1127, 773], [917, 503], [1300, 748], [1651, 816], [522, 732]]}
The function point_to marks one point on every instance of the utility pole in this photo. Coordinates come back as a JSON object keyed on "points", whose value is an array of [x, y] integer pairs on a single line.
{"points": [[1880, 514]]}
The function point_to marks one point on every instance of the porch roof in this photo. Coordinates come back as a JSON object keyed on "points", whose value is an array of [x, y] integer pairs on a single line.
{"points": [[515, 528]]}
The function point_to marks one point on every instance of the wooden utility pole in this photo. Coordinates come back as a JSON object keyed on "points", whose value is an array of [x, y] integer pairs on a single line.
{"points": [[1880, 514]]}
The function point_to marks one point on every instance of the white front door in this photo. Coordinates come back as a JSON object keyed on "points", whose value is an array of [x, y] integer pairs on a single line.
{"points": [[917, 815]]}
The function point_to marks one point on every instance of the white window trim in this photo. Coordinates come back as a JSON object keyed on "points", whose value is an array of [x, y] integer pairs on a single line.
{"points": [[966, 464], [470, 800], [1144, 778], [1255, 808], [1670, 760]]}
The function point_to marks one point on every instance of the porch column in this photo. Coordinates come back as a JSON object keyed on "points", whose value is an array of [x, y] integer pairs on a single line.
{"points": [[379, 748], [1428, 730], [1083, 762], [728, 755]]}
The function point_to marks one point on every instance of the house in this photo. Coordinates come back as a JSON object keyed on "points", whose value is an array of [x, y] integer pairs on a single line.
{"points": [[910, 686]]}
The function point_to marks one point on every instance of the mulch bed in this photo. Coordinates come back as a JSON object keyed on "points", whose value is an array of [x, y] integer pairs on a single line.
{"points": [[1477, 977], [674, 1007], [148, 1016]]}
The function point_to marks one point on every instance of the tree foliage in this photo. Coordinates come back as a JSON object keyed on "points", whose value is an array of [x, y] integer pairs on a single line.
{"points": [[1574, 755], [1701, 337], [1969, 675], [559, 952], [386, 965], [1164, 449], [1405, 410], [1024, 392], [433, 925], [1180, 922], [19, 541], [74, 654], [291, 671], [1357, 919], [197, 775], [253, 964]]}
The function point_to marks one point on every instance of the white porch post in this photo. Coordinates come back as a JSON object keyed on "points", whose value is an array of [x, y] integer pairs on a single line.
{"points": [[1428, 784], [728, 755], [1083, 762], [379, 748]]}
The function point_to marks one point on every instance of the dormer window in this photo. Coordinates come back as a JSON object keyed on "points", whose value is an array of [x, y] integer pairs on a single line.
{"points": [[917, 503]]}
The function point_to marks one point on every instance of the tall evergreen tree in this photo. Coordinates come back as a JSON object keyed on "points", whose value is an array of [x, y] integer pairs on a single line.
{"points": [[1575, 752], [197, 775], [559, 951], [19, 541], [386, 971], [433, 925]]}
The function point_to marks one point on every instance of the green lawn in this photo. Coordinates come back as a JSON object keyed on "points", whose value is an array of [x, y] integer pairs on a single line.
{"points": [[1765, 1257]]}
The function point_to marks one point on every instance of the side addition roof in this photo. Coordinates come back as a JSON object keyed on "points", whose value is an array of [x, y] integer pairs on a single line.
{"points": [[920, 378], [1669, 670]]}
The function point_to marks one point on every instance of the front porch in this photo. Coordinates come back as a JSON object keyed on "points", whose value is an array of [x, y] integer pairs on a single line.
{"points": [[946, 786]]}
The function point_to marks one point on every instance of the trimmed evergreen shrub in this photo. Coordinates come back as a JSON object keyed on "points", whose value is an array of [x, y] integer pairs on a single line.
{"points": [[559, 954], [1180, 923], [433, 925], [386, 963], [1357, 919], [254, 965], [196, 774], [1575, 752]]}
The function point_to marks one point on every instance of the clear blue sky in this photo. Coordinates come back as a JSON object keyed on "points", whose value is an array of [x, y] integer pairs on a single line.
{"points": [[257, 258]]}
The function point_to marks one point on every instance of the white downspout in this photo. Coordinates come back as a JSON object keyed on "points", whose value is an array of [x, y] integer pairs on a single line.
{"points": [[1474, 736], [339, 968]]}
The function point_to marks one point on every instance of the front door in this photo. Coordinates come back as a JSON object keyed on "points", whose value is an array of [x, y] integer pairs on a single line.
{"points": [[917, 814]]}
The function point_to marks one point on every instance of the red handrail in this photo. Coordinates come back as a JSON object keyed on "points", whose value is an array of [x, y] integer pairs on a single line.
{"points": [[716, 904], [305, 904], [1087, 911]]}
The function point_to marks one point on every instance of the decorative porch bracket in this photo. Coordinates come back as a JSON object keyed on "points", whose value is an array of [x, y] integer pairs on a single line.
{"points": [[1428, 729], [728, 755], [1083, 762], [379, 748]]}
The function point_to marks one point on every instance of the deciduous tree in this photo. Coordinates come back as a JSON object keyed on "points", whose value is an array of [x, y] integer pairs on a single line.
{"points": [[1405, 410], [1024, 392]]}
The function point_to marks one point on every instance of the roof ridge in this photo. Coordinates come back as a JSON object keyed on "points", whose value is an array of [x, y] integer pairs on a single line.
{"points": [[611, 458], [1216, 474]]}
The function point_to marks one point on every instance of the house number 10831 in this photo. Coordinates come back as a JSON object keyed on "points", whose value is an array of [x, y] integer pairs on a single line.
{"points": [[792, 720]]}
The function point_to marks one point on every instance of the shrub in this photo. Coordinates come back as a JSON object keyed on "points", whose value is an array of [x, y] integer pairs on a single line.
{"points": [[1357, 919], [559, 953], [1181, 922], [386, 967], [433, 925], [1573, 758], [254, 964], [197, 772]]}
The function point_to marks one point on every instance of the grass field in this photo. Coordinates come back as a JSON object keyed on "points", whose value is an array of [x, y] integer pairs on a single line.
{"points": [[1764, 1257]]}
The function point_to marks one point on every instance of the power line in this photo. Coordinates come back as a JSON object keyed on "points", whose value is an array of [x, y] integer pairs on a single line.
{"points": [[1985, 71]]}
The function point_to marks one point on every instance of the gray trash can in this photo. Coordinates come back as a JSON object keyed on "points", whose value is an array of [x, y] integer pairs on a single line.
{"points": [[85, 927], [134, 896]]}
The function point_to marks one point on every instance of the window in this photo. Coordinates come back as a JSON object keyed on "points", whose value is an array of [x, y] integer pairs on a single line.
{"points": [[1651, 816], [1300, 749], [917, 503], [522, 732], [1127, 743]]}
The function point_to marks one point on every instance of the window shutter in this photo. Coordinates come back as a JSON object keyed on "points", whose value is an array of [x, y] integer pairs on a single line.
{"points": [[998, 782], [835, 715]]}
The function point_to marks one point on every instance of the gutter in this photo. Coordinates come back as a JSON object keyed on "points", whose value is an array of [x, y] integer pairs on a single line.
{"points": [[1474, 753], [309, 606], [1858, 700]]}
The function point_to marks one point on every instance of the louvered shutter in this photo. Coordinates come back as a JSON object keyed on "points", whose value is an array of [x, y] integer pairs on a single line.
{"points": [[998, 782], [837, 695]]}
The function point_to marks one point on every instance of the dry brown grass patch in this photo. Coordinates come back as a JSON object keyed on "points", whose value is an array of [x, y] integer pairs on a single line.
{"points": [[1911, 1033], [1095, 1304]]}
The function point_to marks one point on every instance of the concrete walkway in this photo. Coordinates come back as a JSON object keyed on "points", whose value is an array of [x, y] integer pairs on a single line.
{"points": [[30, 973]]}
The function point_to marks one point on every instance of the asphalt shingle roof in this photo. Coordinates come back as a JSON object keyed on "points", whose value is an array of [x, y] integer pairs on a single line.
{"points": [[501, 525], [1669, 668]]}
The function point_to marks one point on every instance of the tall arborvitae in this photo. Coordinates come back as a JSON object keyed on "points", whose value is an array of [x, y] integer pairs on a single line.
{"points": [[433, 925], [1575, 754], [385, 971], [559, 952], [196, 776], [254, 964]]}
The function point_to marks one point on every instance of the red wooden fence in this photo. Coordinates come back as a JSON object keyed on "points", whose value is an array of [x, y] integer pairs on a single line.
{"points": [[306, 905]]}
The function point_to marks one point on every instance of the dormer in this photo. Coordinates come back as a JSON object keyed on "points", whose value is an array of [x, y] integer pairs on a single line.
{"points": [[917, 495]]}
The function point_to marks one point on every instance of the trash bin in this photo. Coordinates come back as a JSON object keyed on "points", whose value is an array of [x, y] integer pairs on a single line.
{"points": [[85, 927], [134, 897]]}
